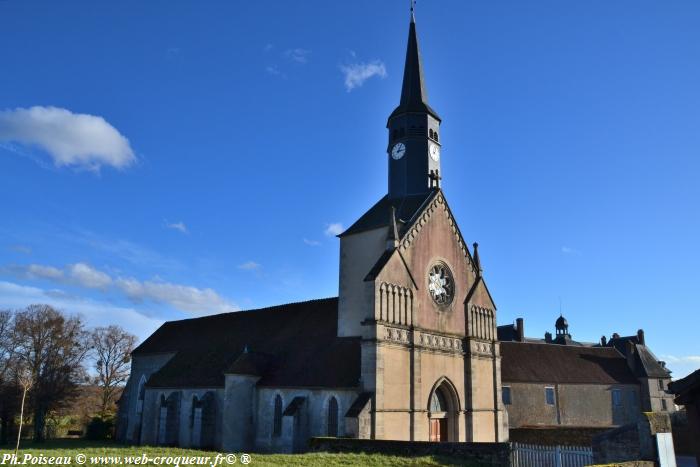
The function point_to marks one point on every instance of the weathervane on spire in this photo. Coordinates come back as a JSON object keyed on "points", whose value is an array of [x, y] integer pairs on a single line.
{"points": [[413, 6]]}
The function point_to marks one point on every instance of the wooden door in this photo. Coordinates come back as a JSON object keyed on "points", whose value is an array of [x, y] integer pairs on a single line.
{"points": [[438, 430], [443, 430], [435, 430]]}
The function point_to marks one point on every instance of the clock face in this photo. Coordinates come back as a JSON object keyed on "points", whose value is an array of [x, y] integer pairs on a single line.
{"points": [[441, 285], [434, 152], [398, 151]]}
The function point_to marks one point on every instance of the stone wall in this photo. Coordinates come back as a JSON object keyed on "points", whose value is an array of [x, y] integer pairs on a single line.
{"points": [[580, 405], [495, 454], [635, 441], [556, 436], [142, 367], [315, 416]]}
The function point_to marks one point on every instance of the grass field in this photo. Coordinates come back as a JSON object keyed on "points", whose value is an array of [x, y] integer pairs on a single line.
{"points": [[70, 448]]}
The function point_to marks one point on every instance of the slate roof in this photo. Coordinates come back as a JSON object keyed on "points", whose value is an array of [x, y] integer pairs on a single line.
{"points": [[524, 362], [647, 365], [414, 95], [687, 390], [379, 215], [294, 345]]}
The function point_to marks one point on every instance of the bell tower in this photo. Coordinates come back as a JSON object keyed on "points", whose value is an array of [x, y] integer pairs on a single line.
{"points": [[414, 131]]}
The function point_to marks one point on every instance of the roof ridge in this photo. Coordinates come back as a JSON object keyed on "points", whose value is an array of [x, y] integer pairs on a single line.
{"points": [[253, 310]]}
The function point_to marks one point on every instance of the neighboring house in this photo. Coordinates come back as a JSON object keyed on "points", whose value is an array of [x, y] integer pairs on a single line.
{"points": [[557, 381], [687, 391], [408, 351]]}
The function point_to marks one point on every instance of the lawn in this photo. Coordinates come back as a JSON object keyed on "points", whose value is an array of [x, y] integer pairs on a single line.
{"points": [[71, 448]]}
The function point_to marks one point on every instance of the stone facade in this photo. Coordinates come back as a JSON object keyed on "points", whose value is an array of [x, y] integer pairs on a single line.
{"points": [[411, 345], [580, 405]]}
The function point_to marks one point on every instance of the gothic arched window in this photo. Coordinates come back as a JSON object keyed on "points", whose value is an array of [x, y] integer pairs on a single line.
{"points": [[437, 402], [142, 394], [430, 132], [435, 135], [332, 417], [277, 423]]}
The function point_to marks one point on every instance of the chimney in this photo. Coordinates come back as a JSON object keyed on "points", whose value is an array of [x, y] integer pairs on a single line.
{"points": [[631, 361], [548, 337], [603, 341], [615, 335], [640, 336], [520, 331]]}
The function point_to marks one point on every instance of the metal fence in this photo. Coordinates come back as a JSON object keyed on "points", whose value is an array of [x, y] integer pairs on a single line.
{"points": [[531, 455]]}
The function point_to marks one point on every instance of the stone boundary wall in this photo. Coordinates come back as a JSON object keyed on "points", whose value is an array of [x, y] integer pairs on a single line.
{"points": [[556, 436], [627, 464], [496, 454]]}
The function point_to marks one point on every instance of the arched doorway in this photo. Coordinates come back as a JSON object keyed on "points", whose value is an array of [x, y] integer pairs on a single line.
{"points": [[443, 412]]}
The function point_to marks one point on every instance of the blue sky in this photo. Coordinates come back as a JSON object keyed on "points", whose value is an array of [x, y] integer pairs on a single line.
{"points": [[162, 159]]}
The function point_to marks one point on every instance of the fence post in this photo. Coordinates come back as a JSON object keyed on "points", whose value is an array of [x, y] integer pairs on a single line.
{"points": [[557, 456]]}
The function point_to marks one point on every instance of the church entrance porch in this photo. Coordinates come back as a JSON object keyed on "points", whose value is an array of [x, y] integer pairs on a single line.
{"points": [[443, 413]]}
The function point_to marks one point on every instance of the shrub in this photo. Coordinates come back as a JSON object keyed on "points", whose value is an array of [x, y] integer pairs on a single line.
{"points": [[100, 428]]}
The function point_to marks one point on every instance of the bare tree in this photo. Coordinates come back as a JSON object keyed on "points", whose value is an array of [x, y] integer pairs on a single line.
{"points": [[52, 347], [5, 343], [112, 348]]}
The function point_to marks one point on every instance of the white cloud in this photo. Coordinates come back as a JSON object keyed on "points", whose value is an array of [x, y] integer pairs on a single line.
{"points": [[334, 229], [298, 55], [86, 276], [311, 242], [250, 266], [692, 359], [682, 365], [357, 73], [96, 313], [181, 297], [274, 71], [180, 226], [570, 251], [38, 271], [71, 140]]}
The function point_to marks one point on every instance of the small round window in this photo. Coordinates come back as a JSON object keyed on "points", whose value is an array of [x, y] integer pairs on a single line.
{"points": [[441, 285]]}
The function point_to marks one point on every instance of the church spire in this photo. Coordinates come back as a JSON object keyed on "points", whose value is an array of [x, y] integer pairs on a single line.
{"points": [[414, 94], [414, 127]]}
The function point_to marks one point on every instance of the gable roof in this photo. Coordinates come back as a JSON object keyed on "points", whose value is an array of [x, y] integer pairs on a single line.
{"points": [[646, 363], [379, 215], [523, 362], [288, 345]]}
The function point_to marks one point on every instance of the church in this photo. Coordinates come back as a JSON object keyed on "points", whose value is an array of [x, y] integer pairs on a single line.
{"points": [[409, 350]]}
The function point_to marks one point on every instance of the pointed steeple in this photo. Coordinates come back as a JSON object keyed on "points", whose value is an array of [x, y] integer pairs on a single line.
{"points": [[414, 131], [414, 94]]}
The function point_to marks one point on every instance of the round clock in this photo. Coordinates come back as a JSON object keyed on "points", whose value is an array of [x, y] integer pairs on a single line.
{"points": [[434, 152], [441, 285], [398, 151]]}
